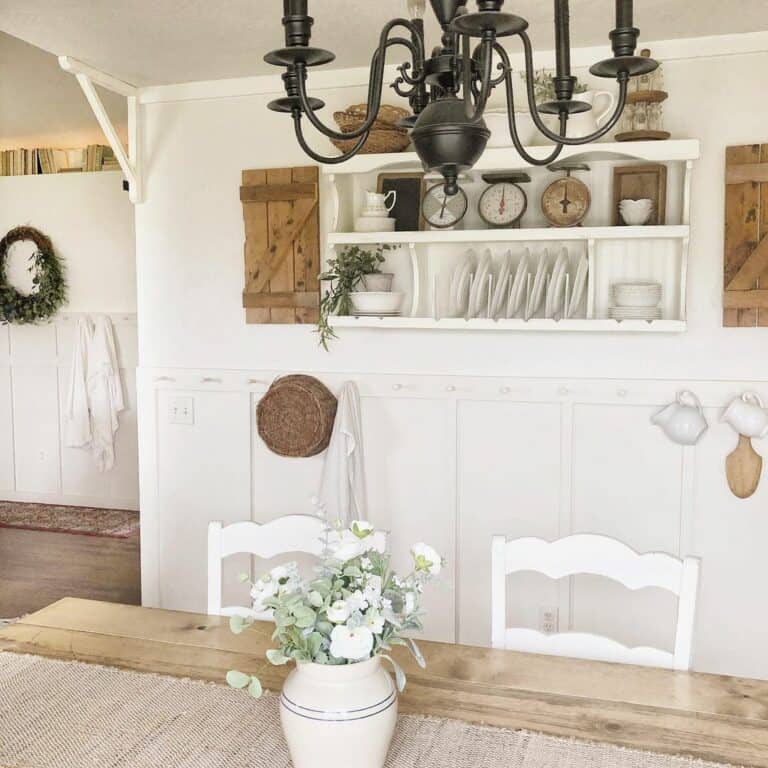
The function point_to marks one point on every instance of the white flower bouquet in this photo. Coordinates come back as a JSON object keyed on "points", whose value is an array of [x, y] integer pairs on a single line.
{"points": [[356, 607]]}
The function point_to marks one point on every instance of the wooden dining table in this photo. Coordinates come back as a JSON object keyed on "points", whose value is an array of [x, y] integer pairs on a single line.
{"points": [[713, 717]]}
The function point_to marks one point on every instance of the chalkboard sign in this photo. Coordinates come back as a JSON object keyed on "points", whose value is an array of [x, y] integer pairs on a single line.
{"points": [[410, 193]]}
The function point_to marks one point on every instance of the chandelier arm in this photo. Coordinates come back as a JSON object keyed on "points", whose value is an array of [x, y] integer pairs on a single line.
{"points": [[511, 116], [475, 112], [622, 78], [321, 158], [376, 81]]}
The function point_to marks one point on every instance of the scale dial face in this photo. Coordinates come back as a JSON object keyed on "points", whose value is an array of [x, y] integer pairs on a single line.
{"points": [[441, 210], [502, 204], [565, 202]]}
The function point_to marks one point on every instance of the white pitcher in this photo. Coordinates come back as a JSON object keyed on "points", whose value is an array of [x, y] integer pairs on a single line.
{"points": [[683, 422], [585, 123], [377, 204], [747, 415]]}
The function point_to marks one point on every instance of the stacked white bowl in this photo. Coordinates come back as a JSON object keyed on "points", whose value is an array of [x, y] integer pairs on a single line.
{"points": [[636, 301], [636, 212]]}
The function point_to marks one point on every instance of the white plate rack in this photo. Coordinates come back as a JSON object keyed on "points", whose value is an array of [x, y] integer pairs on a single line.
{"points": [[424, 262]]}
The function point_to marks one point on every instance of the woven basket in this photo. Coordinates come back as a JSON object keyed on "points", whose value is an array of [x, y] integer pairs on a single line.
{"points": [[295, 417], [379, 142], [388, 114], [349, 122]]}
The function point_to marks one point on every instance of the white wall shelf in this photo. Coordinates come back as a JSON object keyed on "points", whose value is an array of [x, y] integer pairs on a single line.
{"points": [[542, 234], [424, 262], [582, 325]]}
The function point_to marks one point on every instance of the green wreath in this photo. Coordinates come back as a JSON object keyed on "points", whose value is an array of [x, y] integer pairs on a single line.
{"points": [[50, 285]]}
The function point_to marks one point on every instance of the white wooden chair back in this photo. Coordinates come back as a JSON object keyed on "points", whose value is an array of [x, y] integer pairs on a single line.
{"points": [[601, 556], [292, 533]]}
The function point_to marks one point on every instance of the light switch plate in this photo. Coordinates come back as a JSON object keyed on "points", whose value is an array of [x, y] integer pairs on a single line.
{"points": [[181, 410]]}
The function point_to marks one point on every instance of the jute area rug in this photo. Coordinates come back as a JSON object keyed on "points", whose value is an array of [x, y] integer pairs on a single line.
{"points": [[56, 714], [54, 518]]}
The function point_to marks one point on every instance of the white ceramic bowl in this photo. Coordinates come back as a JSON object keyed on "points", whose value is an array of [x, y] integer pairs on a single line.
{"points": [[376, 301], [636, 212], [498, 125], [378, 281], [374, 224], [636, 294]]}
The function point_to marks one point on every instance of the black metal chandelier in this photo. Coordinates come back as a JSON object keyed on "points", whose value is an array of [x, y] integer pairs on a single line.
{"points": [[449, 90]]}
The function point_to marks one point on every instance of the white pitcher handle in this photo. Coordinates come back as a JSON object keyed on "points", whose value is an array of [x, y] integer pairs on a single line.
{"points": [[694, 400], [609, 109], [392, 192], [752, 397]]}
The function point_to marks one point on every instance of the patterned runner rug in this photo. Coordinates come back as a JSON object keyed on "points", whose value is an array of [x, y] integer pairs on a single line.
{"points": [[88, 521], [56, 714]]}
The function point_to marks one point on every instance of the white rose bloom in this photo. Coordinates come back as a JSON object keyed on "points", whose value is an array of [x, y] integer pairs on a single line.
{"points": [[353, 644], [344, 545], [374, 622], [426, 559], [356, 602], [338, 612]]}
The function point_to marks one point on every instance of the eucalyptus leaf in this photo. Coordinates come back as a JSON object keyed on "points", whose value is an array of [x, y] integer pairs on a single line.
{"points": [[398, 670], [238, 624], [236, 679], [416, 652], [276, 657], [254, 688]]}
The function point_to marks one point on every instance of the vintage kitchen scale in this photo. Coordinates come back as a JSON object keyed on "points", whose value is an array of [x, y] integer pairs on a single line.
{"points": [[503, 201], [565, 202]]}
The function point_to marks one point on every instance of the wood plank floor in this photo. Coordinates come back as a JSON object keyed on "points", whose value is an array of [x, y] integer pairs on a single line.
{"points": [[39, 567]]}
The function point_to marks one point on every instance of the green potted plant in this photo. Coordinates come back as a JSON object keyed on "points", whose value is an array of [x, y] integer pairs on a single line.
{"points": [[344, 274]]}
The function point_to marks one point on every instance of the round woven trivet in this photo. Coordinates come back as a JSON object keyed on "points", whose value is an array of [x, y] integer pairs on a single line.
{"points": [[295, 416]]}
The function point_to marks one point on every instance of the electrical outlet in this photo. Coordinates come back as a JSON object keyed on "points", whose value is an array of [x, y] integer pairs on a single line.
{"points": [[181, 410], [548, 620]]}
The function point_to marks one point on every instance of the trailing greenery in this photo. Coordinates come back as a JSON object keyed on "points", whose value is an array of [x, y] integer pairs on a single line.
{"points": [[344, 273], [48, 280]]}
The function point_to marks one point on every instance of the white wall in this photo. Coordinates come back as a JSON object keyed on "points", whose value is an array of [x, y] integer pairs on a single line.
{"points": [[91, 224], [569, 448]]}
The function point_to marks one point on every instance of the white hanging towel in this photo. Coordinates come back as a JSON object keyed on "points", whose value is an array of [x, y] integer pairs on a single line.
{"points": [[105, 392], [342, 489], [77, 426]]}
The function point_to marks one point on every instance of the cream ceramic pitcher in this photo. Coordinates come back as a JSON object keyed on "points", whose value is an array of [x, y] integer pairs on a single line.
{"points": [[585, 123]]}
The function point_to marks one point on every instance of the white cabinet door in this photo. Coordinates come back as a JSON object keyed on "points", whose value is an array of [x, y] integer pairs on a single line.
{"points": [[508, 484], [627, 484], [203, 475], [411, 490]]}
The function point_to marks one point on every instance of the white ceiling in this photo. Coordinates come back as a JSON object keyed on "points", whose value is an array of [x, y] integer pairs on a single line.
{"points": [[149, 42]]}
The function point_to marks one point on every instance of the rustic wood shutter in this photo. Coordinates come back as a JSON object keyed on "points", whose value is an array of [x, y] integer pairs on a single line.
{"points": [[282, 245], [745, 299]]}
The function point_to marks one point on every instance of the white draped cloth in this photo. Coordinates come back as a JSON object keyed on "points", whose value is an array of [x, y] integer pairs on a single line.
{"points": [[96, 391], [343, 489]]}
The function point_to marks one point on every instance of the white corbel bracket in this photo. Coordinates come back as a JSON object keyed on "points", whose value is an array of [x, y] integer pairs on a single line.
{"points": [[129, 160]]}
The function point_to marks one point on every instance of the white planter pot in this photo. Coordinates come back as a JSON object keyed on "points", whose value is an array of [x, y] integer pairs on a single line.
{"points": [[339, 715]]}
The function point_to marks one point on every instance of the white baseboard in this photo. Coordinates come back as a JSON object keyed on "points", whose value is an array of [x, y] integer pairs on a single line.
{"points": [[70, 500]]}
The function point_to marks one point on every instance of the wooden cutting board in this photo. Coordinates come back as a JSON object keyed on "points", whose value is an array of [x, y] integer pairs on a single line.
{"points": [[743, 468]]}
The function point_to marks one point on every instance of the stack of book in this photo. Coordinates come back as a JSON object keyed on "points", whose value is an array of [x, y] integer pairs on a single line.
{"points": [[25, 162]]}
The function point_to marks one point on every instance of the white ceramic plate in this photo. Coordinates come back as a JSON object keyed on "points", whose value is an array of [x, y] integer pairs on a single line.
{"points": [[462, 285], [502, 285], [478, 298], [517, 291], [452, 310], [537, 289], [557, 284], [579, 284], [635, 313], [558, 271]]}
